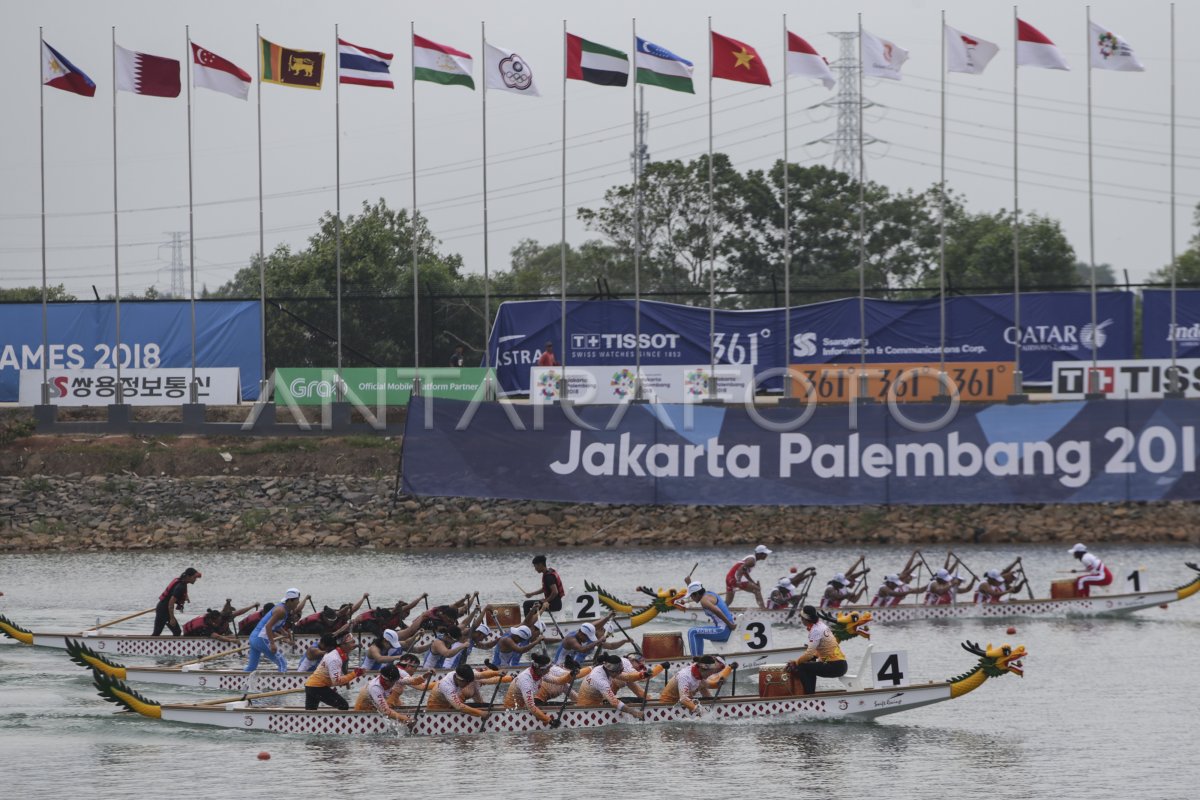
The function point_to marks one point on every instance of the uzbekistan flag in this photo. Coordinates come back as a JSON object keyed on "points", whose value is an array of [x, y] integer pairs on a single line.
{"points": [[658, 66], [62, 74], [440, 63], [363, 66]]}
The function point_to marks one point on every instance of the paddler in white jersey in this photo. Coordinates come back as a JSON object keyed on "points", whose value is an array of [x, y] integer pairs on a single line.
{"points": [[404, 677], [523, 692], [455, 688], [557, 687], [375, 694], [704, 674], [600, 686]]}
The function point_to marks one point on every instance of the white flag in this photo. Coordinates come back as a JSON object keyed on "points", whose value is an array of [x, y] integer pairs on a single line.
{"points": [[881, 58], [507, 71], [1110, 51], [965, 53]]}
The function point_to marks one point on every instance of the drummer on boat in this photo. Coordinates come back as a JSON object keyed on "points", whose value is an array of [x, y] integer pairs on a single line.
{"points": [[1094, 571], [321, 686], [173, 599], [823, 657], [738, 578], [718, 614]]}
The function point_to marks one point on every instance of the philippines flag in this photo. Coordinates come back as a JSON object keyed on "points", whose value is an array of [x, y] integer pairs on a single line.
{"points": [[364, 67], [62, 74]]}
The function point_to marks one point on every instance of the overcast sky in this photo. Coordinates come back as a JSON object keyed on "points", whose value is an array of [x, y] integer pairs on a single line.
{"points": [[1131, 125]]}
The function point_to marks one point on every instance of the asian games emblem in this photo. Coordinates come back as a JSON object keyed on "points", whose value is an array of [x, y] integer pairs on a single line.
{"points": [[622, 383], [1107, 43], [547, 385], [695, 383], [516, 73]]}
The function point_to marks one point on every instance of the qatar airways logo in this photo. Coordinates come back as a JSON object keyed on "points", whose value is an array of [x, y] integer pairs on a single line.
{"points": [[1066, 337]]}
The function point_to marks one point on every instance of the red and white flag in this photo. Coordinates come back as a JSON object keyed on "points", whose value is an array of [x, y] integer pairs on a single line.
{"points": [[145, 74], [1034, 49], [210, 71], [803, 59], [880, 57], [968, 54]]}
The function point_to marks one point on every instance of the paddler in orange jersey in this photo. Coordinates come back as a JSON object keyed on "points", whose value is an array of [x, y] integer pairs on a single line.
{"points": [[635, 664], [321, 685], [452, 692], [698, 678], [599, 687], [524, 690]]}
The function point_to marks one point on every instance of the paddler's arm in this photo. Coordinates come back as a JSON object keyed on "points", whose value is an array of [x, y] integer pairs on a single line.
{"points": [[410, 606], [354, 608], [242, 611], [709, 604]]}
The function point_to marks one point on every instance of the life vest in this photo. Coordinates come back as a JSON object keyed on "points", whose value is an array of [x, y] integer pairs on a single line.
{"points": [[197, 627], [170, 588], [557, 582], [249, 622]]}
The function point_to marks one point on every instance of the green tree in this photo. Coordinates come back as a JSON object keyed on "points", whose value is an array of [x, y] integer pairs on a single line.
{"points": [[1105, 274], [1187, 262], [537, 269], [33, 294]]}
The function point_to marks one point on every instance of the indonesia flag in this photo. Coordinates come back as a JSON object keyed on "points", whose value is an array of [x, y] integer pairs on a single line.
{"points": [[803, 59], [210, 71], [363, 66], [1034, 49]]}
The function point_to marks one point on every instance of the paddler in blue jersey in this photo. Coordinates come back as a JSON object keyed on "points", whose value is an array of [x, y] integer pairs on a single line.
{"points": [[722, 619]]}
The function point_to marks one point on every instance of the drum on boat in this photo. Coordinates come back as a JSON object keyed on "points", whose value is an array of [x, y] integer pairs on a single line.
{"points": [[774, 680], [1062, 588], [662, 645]]}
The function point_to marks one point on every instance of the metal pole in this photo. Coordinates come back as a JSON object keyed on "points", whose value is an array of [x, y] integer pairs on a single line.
{"points": [[712, 256], [416, 383], [1018, 378], [787, 231], [116, 234], [42, 174], [637, 224], [194, 391], [337, 171], [487, 300], [1093, 375], [942, 228], [263, 387], [563, 231], [1173, 390], [862, 230]]}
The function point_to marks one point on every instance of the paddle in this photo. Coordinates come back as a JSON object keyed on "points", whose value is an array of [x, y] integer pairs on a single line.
{"points": [[256, 696], [646, 688], [1025, 578], [688, 579], [412, 724], [222, 654], [636, 649], [122, 619], [554, 723], [483, 720], [720, 686]]}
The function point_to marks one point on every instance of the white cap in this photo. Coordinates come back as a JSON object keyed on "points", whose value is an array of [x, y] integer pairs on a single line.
{"points": [[610, 627], [942, 575], [993, 574], [695, 586], [762, 550], [291, 594], [1078, 548], [520, 631], [891, 579], [840, 578], [785, 583], [483, 629], [588, 630], [392, 637], [541, 626]]}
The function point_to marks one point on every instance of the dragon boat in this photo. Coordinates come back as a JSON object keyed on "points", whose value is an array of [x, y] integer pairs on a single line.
{"points": [[668, 606], [133, 644], [869, 703], [845, 626]]}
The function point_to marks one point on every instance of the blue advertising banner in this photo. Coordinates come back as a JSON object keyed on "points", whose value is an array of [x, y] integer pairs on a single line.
{"points": [[153, 334], [1156, 323], [1055, 326], [1066, 452]]}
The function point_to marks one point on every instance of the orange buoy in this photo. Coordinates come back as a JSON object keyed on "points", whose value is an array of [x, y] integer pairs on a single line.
{"points": [[264, 756], [1011, 630]]}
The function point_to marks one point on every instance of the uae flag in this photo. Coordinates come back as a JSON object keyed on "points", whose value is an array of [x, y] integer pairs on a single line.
{"points": [[595, 63], [803, 59], [288, 67], [737, 61], [439, 63], [1034, 49], [145, 74], [210, 71]]}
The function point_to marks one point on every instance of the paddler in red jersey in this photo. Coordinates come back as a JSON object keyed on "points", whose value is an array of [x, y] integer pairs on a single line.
{"points": [[330, 620], [173, 599]]}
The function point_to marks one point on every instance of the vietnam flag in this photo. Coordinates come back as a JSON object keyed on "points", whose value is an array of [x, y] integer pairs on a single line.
{"points": [[737, 61]]}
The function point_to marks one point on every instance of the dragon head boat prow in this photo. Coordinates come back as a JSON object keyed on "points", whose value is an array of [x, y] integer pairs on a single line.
{"points": [[848, 624], [115, 691], [1183, 592], [88, 658], [14, 631], [661, 601], [994, 661]]}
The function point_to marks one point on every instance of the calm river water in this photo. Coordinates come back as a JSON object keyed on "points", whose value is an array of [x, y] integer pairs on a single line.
{"points": [[1107, 708]]}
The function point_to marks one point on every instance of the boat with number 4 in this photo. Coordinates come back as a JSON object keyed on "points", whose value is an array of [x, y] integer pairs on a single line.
{"points": [[662, 648], [845, 703], [668, 606]]}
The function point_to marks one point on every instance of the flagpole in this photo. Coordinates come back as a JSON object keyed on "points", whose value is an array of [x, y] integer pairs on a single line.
{"points": [[1174, 390], [116, 356], [263, 386], [862, 231], [562, 392], [337, 172], [1093, 375], [42, 174], [487, 299], [787, 231], [942, 229], [1018, 378], [416, 382], [637, 223], [194, 391], [712, 281]]}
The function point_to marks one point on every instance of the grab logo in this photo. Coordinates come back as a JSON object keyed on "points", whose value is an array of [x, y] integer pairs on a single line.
{"points": [[804, 345]]}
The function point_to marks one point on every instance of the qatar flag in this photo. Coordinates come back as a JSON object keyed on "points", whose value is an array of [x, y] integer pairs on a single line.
{"points": [[1034, 49], [803, 59], [146, 74]]}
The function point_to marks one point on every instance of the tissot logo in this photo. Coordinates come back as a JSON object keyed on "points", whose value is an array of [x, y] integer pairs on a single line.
{"points": [[585, 341], [624, 341]]}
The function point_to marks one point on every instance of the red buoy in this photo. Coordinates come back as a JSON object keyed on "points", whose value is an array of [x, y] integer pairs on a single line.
{"points": [[1011, 630], [1163, 606], [793, 569], [264, 756]]}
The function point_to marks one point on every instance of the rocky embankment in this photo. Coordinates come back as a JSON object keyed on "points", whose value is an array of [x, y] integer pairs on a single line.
{"points": [[76, 511]]}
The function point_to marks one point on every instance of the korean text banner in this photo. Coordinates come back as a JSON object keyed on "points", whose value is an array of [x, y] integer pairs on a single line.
{"points": [[1054, 326], [1064, 452], [153, 334]]}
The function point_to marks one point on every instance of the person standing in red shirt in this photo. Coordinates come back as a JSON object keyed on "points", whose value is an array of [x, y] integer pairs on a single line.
{"points": [[547, 358]]}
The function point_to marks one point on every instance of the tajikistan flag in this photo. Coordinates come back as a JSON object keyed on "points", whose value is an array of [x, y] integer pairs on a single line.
{"points": [[440, 64]]}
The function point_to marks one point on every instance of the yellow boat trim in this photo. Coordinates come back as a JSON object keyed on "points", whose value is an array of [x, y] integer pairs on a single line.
{"points": [[14, 631]]}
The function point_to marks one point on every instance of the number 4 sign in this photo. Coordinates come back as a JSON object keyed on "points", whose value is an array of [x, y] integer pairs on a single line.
{"points": [[890, 668]]}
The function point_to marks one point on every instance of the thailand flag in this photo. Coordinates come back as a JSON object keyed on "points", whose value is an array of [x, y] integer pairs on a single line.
{"points": [[362, 66]]}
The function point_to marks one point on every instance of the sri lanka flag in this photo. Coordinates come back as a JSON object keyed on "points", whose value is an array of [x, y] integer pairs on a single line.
{"points": [[62, 74], [363, 66]]}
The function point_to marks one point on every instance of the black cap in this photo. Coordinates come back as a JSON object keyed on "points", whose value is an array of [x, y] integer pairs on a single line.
{"points": [[808, 614]]}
